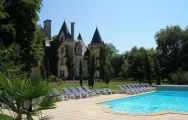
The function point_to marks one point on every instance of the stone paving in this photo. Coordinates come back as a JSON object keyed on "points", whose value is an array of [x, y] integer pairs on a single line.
{"points": [[87, 109]]}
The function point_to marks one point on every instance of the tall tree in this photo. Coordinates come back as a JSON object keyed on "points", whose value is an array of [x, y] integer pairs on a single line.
{"points": [[22, 22], [183, 54], [168, 45], [147, 69], [91, 70], [70, 61], [107, 71], [157, 70], [81, 73]]}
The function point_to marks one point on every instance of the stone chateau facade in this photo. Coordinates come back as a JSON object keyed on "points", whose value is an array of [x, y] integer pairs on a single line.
{"points": [[77, 47]]}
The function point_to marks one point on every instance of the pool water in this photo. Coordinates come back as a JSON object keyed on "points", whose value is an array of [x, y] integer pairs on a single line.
{"points": [[159, 101]]}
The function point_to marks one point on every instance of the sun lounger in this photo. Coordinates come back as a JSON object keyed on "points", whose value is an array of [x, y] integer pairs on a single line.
{"points": [[76, 92], [122, 89], [145, 88], [148, 85], [90, 92], [61, 96], [101, 91], [68, 93], [138, 88], [85, 94], [109, 91], [134, 89], [129, 90]]}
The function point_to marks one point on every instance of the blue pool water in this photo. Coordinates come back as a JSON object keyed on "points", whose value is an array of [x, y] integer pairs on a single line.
{"points": [[151, 103]]}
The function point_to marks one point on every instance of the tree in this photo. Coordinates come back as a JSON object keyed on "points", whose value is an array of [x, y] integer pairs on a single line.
{"points": [[37, 49], [183, 54], [168, 45], [147, 69], [9, 60], [26, 97], [117, 61], [81, 73], [70, 61], [105, 65], [91, 70], [53, 56], [157, 70], [135, 63], [20, 27], [107, 71]]}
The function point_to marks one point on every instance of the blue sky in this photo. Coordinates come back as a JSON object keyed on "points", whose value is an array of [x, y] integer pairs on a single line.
{"points": [[125, 23]]}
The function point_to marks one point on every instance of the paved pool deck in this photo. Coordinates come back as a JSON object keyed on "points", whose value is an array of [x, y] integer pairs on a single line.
{"points": [[88, 109]]}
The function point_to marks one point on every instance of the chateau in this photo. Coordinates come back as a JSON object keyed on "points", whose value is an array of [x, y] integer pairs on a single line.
{"points": [[77, 48]]}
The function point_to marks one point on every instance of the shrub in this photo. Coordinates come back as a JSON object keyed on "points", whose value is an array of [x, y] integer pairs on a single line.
{"points": [[179, 77]]}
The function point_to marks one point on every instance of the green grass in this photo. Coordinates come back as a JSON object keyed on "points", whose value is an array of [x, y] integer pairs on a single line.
{"points": [[5, 117], [98, 85]]}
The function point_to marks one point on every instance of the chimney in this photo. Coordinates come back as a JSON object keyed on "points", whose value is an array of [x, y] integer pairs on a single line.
{"points": [[72, 29], [47, 28]]}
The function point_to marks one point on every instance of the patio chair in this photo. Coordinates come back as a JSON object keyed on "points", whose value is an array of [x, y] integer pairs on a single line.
{"points": [[138, 88], [101, 91], [68, 93], [109, 91], [76, 92], [148, 85], [61, 97], [133, 90], [129, 90], [85, 94], [122, 89], [90, 92], [143, 87]]}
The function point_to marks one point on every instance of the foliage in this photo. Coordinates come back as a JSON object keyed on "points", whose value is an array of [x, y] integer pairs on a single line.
{"points": [[105, 66], [70, 61], [53, 56], [117, 61], [9, 60], [37, 51], [179, 77], [183, 54], [91, 70], [18, 25], [26, 97], [168, 45], [5, 117], [81, 73], [147, 69]]}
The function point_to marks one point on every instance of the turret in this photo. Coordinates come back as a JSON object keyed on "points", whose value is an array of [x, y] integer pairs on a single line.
{"points": [[47, 28]]}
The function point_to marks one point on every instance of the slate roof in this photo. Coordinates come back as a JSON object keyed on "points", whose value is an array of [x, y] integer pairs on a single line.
{"points": [[79, 37], [65, 30], [97, 38]]}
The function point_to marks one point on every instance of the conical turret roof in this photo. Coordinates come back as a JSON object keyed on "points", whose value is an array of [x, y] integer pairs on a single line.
{"points": [[65, 30], [96, 38], [79, 37]]}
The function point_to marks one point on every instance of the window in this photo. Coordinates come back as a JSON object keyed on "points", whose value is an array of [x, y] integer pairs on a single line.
{"points": [[62, 61], [62, 50], [62, 73]]}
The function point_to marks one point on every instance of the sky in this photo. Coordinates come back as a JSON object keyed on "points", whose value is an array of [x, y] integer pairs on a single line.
{"points": [[124, 23]]}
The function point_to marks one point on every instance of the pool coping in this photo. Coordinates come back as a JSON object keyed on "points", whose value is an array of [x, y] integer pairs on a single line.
{"points": [[105, 108]]}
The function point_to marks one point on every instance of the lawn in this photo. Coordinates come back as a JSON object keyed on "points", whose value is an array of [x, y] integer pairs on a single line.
{"points": [[98, 85], [5, 117]]}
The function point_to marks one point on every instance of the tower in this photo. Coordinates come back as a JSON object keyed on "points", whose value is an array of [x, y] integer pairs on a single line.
{"points": [[47, 28], [72, 29], [95, 49]]}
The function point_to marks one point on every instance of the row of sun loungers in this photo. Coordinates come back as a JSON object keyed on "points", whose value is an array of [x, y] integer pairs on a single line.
{"points": [[136, 88], [79, 92]]}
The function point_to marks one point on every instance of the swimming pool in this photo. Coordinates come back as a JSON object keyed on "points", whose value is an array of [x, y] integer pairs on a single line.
{"points": [[176, 101]]}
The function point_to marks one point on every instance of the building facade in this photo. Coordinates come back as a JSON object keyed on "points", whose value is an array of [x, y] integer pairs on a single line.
{"points": [[74, 47]]}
